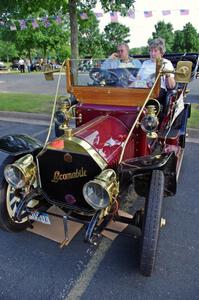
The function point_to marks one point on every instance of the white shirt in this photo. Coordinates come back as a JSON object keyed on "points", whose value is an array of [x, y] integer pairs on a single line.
{"points": [[21, 62], [148, 69]]}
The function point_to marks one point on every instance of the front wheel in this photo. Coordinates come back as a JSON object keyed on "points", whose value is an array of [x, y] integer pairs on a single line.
{"points": [[151, 226]]}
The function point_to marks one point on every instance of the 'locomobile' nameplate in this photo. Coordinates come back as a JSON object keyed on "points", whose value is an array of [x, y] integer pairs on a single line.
{"points": [[67, 176]]}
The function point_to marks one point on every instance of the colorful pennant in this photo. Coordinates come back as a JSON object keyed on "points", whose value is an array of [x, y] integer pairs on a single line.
{"points": [[114, 17], [148, 14]]}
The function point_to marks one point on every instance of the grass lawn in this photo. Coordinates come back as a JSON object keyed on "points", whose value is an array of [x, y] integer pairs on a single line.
{"points": [[43, 104], [193, 122], [26, 102]]}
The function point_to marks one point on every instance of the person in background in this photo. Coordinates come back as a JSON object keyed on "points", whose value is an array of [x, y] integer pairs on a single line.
{"points": [[121, 59], [28, 64], [148, 69], [21, 63]]}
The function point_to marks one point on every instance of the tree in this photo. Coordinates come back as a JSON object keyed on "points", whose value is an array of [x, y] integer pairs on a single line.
{"points": [[73, 6], [114, 34], [140, 50], [164, 31], [178, 45], [48, 37], [90, 41], [22, 9], [7, 50], [191, 39]]}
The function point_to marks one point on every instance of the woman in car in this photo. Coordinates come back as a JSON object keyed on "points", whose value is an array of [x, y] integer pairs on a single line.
{"points": [[147, 71]]}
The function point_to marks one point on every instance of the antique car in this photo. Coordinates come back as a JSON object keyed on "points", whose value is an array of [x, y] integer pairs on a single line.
{"points": [[122, 137]]}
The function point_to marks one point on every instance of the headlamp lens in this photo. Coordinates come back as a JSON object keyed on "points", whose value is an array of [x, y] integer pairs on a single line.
{"points": [[149, 123], [96, 195], [14, 176], [60, 117]]}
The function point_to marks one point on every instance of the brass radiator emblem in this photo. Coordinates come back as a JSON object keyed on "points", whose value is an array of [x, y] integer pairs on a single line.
{"points": [[67, 176]]}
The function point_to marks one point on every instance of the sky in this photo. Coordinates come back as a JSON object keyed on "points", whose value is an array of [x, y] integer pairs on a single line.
{"points": [[141, 28]]}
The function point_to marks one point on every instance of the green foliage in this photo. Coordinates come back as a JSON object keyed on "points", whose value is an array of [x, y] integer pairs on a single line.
{"points": [[191, 39], [48, 39], [7, 50], [114, 34], [185, 40], [164, 31], [178, 45], [117, 5], [140, 50], [90, 41]]}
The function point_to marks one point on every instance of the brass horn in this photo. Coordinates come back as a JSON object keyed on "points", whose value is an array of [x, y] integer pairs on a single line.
{"points": [[182, 73]]}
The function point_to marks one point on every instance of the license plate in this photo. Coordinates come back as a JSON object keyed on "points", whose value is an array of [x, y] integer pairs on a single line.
{"points": [[40, 217]]}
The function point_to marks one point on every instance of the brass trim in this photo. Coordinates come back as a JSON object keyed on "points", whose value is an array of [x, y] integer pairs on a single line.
{"points": [[93, 153], [157, 80]]}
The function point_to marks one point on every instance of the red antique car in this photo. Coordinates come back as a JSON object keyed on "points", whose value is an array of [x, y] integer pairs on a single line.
{"points": [[122, 138]]}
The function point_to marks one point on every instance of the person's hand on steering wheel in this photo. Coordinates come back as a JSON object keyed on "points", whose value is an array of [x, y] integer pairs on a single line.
{"points": [[103, 77]]}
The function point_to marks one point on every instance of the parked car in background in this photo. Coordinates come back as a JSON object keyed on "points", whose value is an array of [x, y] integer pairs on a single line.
{"points": [[85, 65], [15, 64], [35, 67], [2, 66]]}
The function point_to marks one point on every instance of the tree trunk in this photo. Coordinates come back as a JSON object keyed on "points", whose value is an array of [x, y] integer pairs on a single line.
{"points": [[29, 55], [45, 52], [74, 37]]}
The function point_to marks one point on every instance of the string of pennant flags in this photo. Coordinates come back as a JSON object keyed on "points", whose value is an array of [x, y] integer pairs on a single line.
{"points": [[47, 21], [35, 23], [132, 14]]}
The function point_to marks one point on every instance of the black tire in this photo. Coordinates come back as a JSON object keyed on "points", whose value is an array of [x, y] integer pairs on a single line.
{"points": [[151, 226], [7, 194]]}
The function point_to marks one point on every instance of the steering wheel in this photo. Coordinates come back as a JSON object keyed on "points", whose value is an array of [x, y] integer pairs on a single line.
{"points": [[104, 77]]}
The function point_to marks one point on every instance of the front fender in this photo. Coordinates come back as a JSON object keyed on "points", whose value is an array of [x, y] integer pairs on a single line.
{"points": [[139, 171], [18, 144]]}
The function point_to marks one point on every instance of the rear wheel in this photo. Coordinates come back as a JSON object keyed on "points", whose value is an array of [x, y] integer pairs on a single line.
{"points": [[151, 227]]}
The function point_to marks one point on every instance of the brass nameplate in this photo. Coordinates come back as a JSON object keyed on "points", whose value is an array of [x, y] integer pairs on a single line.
{"points": [[67, 176]]}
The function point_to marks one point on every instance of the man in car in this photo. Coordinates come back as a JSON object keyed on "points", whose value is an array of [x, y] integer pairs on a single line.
{"points": [[21, 65], [121, 59]]}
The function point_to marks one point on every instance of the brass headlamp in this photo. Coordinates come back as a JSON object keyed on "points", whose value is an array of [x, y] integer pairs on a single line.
{"points": [[150, 122], [100, 192], [64, 114], [22, 172]]}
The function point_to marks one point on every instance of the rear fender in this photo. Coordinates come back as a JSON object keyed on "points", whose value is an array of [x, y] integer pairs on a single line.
{"points": [[18, 144]]}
